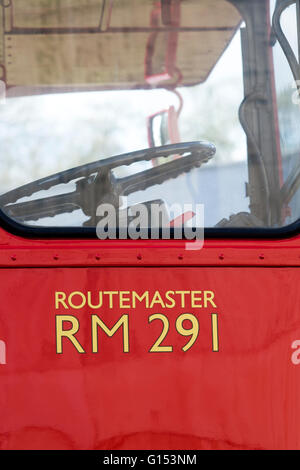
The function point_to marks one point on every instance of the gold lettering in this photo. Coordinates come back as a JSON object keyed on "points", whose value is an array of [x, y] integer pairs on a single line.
{"points": [[215, 332], [182, 293], [173, 303], [70, 334], [140, 298], [123, 321], [123, 299], [157, 345], [89, 300], [208, 297], [157, 300], [196, 297], [110, 295], [83, 300], [60, 297]]}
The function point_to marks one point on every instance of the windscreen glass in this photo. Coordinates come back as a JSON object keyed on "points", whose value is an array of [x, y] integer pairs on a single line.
{"points": [[180, 103]]}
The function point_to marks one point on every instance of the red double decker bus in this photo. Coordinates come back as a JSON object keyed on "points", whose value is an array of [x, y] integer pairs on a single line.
{"points": [[149, 224]]}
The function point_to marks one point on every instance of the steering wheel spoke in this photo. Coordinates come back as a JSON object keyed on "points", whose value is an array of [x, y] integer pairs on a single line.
{"points": [[162, 173], [45, 207]]}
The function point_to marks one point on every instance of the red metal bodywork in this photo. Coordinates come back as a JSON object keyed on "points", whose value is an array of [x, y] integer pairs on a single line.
{"points": [[244, 396]]}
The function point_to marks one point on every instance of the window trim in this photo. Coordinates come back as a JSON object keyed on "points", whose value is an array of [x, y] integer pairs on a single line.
{"points": [[29, 232]]}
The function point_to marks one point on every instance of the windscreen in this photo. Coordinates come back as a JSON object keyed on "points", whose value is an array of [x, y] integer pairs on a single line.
{"points": [[175, 104]]}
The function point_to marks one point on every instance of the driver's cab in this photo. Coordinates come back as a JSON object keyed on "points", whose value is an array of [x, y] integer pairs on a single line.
{"points": [[149, 224], [84, 82]]}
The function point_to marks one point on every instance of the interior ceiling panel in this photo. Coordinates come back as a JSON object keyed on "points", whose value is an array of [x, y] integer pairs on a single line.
{"points": [[103, 44]]}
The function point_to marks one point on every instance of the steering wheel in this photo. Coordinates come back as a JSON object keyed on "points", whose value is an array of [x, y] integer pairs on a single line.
{"points": [[95, 182]]}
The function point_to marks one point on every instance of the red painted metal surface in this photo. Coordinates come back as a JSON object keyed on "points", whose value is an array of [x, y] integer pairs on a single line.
{"points": [[17, 251], [243, 395]]}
